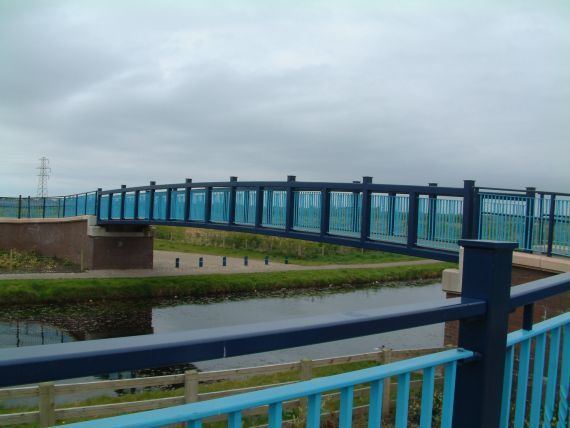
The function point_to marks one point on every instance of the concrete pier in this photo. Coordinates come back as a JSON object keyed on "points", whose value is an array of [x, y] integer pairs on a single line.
{"points": [[81, 241]]}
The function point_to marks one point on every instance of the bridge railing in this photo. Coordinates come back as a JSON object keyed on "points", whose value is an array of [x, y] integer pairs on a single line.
{"points": [[538, 221], [419, 220], [482, 310]]}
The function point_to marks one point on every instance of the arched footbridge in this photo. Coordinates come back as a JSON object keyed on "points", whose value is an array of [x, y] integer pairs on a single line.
{"points": [[424, 221]]}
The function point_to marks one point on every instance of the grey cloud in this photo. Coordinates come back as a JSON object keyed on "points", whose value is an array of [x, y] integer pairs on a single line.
{"points": [[410, 94]]}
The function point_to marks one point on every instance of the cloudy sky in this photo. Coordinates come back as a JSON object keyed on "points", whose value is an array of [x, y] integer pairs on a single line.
{"points": [[123, 92]]}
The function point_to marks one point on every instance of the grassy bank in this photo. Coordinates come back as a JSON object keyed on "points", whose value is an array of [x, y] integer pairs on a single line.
{"points": [[34, 291], [28, 261], [220, 243]]}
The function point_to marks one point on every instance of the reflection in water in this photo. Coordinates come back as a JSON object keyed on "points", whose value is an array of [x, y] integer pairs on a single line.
{"points": [[25, 333]]}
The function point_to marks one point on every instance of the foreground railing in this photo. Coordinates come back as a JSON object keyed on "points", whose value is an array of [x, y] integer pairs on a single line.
{"points": [[558, 373], [482, 312], [419, 220], [233, 406]]}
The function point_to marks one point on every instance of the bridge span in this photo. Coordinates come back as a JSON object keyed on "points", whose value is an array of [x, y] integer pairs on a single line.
{"points": [[424, 221]]}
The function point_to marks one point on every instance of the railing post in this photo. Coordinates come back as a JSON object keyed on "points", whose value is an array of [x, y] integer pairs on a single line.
{"points": [[551, 225], [109, 208], [391, 212], [325, 210], [232, 204], [468, 199], [44, 207], [46, 404], [413, 216], [123, 194], [151, 202], [191, 386], [207, 204], [432, 210], [290, 201], [258, 206], [98, 203], [20, 206], [187, 191], [63, 209], [76, 204], [529, 217], [487, 276], [29, 207], [365, 209], [136, 206], [167, 211]]}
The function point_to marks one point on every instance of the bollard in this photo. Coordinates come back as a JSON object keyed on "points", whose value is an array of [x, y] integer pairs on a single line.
{"points": [[224, 261], [245, 260], [266, 260], [286, 260], [201, 262], [177, 262]]}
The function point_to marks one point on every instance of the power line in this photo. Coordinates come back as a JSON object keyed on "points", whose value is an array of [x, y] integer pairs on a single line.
{"points": [[44, 172]]}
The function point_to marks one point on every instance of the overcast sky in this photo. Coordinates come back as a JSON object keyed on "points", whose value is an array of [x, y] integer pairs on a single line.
{"points": [[123, 92]]}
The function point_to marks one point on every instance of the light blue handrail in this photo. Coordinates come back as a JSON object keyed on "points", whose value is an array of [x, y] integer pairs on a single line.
{"points": [[558, 372], [233, 406]]}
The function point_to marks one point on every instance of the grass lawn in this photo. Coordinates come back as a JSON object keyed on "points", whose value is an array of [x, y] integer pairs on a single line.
{"points": [[353, 257]]}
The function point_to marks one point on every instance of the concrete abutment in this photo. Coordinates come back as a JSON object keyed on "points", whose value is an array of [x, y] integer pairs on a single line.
{"points": [[81, 241]]}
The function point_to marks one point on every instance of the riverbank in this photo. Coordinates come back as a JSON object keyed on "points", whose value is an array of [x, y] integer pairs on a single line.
{"points": [[36, 291]]}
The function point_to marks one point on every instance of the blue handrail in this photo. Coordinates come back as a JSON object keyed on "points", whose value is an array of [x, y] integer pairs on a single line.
{"points": [[233, 406]]}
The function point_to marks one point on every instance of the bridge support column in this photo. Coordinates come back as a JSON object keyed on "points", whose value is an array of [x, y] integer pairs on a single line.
{"points": [[81, 241]]}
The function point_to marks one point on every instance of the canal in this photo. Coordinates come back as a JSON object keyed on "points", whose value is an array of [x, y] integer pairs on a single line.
{"points": [[62, 323]]}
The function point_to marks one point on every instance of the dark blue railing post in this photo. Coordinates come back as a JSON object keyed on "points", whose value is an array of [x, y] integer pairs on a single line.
{"points": [[29, 207], [20, 206], [187, 191], [529, 217], [98, 203], [151, 201], [167, 210], [432, 212], [63, 208], [76, 204], [136, 206], [468, 199], [486, 275], [44, 207], [551, 224], [123, 194], [258, 206], [85, 204], [232, 204], [208, 204], [325, 210], [365, 209], [413, 217], [109, 208], [391, 212], [476, 210], [290, 201]]}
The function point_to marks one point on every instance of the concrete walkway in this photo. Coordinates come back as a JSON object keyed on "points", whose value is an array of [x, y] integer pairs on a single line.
{"points": [[164, 266]]}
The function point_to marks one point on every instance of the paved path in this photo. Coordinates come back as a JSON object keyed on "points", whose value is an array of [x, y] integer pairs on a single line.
{"points": [[164, 266]]}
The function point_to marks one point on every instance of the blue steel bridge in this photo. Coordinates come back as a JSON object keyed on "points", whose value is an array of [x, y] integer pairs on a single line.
{"points": [[425, 221], [492, 379]]}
